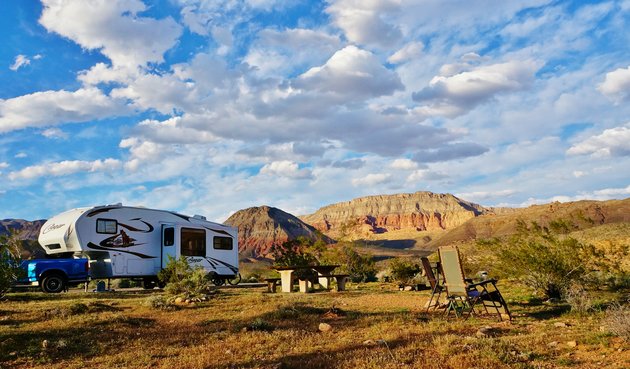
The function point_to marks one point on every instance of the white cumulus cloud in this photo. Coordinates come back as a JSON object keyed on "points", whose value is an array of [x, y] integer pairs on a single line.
{"points": [[616, 85], [64, 168], [404, 164], [366, 22], [611, 142], [457, 94], [285, 168], [113, 27], [351, 71], [54, 107], [372, 179]]}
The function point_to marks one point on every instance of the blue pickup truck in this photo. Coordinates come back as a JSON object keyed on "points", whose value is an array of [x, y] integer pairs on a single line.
{"points": [[54, 275]]}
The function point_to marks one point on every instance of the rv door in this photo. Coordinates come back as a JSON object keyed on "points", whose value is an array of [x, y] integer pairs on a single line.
{"points": [[168, 243]]}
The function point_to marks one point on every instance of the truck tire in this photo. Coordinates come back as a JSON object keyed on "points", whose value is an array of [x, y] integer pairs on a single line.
{"points": [[53, 283]]}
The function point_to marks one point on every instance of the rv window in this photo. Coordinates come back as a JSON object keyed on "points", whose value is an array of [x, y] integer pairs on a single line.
{"points": [[108, 226], [169, 236], [223, 243], [53, 246], [193, 242]]}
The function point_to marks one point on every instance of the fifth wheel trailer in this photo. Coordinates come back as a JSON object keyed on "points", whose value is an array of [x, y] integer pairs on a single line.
{"points": [[136, 242]]}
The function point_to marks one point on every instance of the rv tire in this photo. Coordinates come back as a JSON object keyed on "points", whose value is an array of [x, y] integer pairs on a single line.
{"points": [[149, 283], [53, 283], [236, 280]]}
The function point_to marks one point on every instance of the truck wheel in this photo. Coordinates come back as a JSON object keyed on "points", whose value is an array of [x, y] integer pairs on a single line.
{"points": [[53, 283]]}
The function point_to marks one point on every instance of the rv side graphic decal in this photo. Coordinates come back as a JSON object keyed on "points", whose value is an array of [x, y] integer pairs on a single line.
{"points": [[97, 247]]}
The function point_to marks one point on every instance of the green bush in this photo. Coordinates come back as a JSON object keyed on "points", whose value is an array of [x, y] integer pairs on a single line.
{"points": [[542, 259], [404, 271], [182, 279]]}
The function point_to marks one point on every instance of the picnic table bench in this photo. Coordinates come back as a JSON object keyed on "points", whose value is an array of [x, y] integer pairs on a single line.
{"points": [[272, 283]]}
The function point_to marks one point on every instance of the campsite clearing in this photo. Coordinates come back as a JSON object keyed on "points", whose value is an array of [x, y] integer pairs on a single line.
{"points": [[370, 326]]}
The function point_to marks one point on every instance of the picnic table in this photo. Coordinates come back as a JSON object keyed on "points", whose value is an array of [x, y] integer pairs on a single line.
{"points": [[323, 274]]}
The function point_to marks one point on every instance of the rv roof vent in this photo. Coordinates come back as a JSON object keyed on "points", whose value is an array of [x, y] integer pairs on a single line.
{"points": [[116, 204], [197, 216]]}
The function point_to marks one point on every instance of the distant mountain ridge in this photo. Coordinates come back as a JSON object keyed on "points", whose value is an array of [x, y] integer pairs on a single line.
{"points": [[29, 230], [419, 211], [259, 228], [577, 215]]}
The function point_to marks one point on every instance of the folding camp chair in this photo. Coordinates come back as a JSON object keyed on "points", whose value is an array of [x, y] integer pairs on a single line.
{"points": [[462, 295], [437, 286]]}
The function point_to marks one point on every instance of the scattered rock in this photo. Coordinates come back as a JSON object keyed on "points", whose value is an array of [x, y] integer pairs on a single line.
{"points": [[13, 353], [244, 329], [408, 288], [369, 342], [45, 344], [179, 300], [553, 300], [187, 301], [560, 325], [324, 327], [486, 331], [572, 343], [62, 344]]}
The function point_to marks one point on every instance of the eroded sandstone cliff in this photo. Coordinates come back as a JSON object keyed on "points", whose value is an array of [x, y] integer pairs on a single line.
{"points": [[420, 211]]}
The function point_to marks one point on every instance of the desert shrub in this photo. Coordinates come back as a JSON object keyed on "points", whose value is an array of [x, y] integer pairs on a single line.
{"points": [[542, 259], [10, 252], [183, 279], [260, 325], [160, 302], [404, 270], [617, 320], [579, 299]]}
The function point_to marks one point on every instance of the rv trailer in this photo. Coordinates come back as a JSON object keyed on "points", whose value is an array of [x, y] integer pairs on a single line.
{"points": [[136, 242]]}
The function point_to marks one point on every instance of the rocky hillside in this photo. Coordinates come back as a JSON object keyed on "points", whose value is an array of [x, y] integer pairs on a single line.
{"points": [[29, 230], [575, 216], [420, 211], [261, 227]]}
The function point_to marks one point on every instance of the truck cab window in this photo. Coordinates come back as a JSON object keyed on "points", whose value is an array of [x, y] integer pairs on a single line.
{"points": [[193, 242], [109, 226]]}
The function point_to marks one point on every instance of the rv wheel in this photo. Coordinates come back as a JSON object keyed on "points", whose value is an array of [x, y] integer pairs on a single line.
{"points": [[236, 280], [53, 283], [149, 283], [218, 281]]}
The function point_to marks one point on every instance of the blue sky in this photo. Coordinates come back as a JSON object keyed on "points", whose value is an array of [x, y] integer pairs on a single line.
{"points": [[208, 107]]}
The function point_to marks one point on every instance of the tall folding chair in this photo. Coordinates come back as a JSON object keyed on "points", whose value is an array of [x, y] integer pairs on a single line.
{"points": [[462, 296], [437, 286]]}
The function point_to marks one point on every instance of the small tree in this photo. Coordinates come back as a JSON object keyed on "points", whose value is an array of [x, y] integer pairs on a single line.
{"points": [[360, 268], [10, 252], [298, 252], [404, 270], [544, 260]]}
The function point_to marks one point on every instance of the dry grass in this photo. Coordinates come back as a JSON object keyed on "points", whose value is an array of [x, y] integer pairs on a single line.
{"points": [[374, 326]]}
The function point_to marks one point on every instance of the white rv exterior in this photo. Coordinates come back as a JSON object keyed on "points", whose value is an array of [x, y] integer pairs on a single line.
{"points": [[134, 242]]}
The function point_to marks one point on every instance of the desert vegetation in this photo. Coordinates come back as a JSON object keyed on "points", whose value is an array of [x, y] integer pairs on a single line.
{"points": [[372, 325]]}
